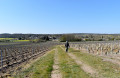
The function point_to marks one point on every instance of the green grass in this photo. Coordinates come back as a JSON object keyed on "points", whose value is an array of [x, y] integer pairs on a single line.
{"points": [[107, 69], [68, 67], [12, 40], [40, 69], [21, 40], [7, 38]]}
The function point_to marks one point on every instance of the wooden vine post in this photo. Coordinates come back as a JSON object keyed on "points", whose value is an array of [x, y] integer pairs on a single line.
{"points": [[1, 60]]}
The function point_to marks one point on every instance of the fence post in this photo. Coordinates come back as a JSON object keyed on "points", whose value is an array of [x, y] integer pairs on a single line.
{"points": [[111, 48], [1, 60], [87, 49], [101, 50], [32, 52]]}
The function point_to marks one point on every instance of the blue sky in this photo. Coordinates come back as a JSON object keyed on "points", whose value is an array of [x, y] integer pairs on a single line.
{"points": [[59, 16]]}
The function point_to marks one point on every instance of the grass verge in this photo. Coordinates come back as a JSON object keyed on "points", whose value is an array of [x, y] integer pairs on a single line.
{"points": [[40, 69], [107, 69], [21, 40], [68, 68]]}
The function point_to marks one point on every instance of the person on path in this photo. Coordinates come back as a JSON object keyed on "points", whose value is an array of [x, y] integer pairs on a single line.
{"points": [[67, 46]]}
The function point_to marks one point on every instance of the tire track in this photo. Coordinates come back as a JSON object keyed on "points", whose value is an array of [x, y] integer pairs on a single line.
{"points": [[86, 68], [56, 73]]}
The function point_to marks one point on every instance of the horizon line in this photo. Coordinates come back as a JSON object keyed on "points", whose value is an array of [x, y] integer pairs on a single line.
{"points": [[59, 33]]}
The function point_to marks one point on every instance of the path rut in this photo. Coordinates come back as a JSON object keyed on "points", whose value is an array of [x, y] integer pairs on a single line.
{"points": [[56, 72], [86, 68]]}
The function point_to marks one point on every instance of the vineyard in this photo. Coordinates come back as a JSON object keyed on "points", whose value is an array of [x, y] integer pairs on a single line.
{"points": [[15, 54], [99, 48], [86, 59]]}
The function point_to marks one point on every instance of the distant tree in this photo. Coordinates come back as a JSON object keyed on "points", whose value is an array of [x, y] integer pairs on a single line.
{"points": [[54, 38], [100, 40], [67, 38], [20, 38], [47, 38]]}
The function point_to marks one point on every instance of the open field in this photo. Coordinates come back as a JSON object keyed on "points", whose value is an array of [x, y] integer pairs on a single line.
{"points": [[59, 38], [7, 38], [12, 40], [44, 61], [74, 64], [66, 66], [40, 69], [20, 40], [14, 55]]}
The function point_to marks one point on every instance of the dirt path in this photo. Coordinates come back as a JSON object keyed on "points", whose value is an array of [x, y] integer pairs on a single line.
{"points": [[88, 69], [56, 73]]}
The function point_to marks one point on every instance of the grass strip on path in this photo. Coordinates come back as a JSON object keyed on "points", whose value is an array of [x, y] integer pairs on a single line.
{"points": [[56, 72], [107, 69], [40, 69], [68, 67]]}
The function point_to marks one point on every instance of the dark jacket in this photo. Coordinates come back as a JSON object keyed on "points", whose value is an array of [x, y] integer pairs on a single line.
{"points": [[67, 45]]}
